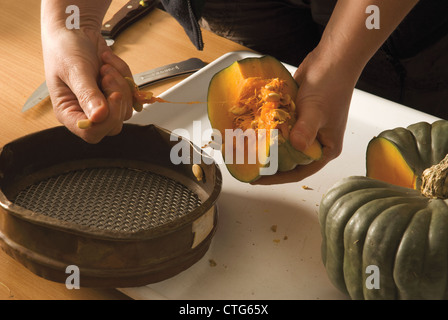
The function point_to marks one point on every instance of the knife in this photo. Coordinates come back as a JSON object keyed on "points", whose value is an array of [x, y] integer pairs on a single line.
{"points": [[127, 15], [142, 79]]}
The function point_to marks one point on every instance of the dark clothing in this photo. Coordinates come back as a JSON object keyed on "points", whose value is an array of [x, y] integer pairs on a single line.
{"points": [[410, 68], [187, 13], [283, 30]]}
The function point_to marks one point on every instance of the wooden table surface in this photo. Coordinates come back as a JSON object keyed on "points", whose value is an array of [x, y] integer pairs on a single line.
{"points": [[155, 40]]}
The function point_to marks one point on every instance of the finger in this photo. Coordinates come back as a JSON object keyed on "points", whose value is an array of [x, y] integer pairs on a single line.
{"points": [[111, 126], [66, 107], [116, 106], [113, 85], [121, 66], [330, 151], [115, 61], [83, 83], [73, 117], [308, 123], [113, 81], [304, 132], [295, 175]]}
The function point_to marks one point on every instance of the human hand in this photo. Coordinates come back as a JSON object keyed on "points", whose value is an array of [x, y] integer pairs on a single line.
{"points": [[82, 72], [328, 75], [84, 77], [323, 100]]}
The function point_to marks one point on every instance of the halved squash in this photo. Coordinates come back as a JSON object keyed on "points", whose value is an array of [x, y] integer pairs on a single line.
{"points": [[400, 156], [385, 162], [253, 96]]}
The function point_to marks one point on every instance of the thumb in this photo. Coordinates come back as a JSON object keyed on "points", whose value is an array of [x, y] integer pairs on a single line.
{"points": [[305, 130], [91, 99]]}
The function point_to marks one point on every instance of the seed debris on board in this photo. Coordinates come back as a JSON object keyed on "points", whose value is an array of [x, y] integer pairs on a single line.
{"points": [[274, 229], [212, 263]]}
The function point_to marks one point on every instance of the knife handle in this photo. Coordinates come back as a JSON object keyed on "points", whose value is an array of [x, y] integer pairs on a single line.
{"points": [[128, 14]]}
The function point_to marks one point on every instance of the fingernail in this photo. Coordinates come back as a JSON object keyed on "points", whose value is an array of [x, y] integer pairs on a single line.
{"points": [[96, 110], [93, 105]]}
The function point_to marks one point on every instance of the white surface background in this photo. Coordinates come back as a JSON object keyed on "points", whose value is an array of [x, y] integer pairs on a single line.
{"points": [[253, 261]]}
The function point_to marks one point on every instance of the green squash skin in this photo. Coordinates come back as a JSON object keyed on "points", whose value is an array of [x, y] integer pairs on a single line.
{"points": [[370, 222], [382, 241], [354, 241], [289, 157], [439, 140], [421, 144], [435, 277], [411, 252]]}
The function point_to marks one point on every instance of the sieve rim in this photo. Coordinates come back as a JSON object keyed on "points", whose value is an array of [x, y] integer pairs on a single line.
{"points": [[144, 234], [86, 230]]}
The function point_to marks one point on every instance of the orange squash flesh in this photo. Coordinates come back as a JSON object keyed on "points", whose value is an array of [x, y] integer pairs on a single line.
{"points": [[385, 162], [257, 93], [259, 107]]}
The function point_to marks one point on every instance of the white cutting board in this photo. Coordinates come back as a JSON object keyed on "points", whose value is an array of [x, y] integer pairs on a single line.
{"points": [[247, 259]]}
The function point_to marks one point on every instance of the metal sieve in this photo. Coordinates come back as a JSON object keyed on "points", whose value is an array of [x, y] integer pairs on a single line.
{"points": [[119, 210], [110, 198]]}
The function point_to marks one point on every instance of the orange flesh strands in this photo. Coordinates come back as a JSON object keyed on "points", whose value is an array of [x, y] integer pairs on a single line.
{"points": [[143, 97], [147, 97], [262, 104]]}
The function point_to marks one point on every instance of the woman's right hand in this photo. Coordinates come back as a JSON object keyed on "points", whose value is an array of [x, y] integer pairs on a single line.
{"points": [[84, 77]]}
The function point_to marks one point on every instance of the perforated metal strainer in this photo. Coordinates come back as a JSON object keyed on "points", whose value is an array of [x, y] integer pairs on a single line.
{"points": [[120, 210]]}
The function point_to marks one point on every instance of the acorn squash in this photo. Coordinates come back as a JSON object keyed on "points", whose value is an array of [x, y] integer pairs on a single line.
{"points": [[256, 96], [398, 226]]}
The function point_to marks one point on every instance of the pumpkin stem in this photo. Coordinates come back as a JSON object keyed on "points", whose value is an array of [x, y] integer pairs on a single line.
{"points": [[434, 180]]}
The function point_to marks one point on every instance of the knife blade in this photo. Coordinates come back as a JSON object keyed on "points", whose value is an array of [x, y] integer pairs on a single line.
{"points": [[142, 79], [123, 18]]}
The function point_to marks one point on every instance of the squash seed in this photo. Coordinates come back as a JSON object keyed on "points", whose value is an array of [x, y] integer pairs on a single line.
{"points": [[237, 110], [273, 97], [197, 171], [84, 124], [281, 115], [286, 100], [137, 106], [292, 106]]}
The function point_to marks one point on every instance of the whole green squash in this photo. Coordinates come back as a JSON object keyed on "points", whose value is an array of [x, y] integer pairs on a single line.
{"points": [[373, 227]]}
